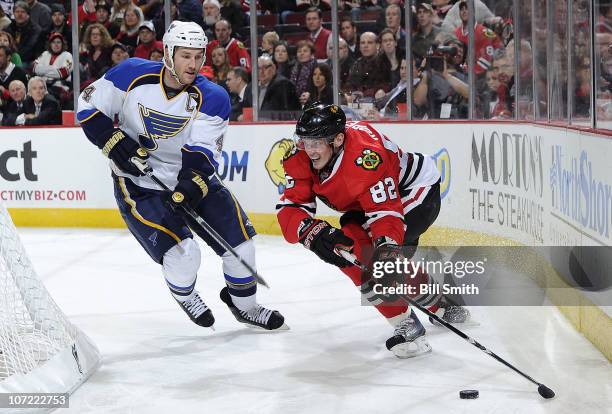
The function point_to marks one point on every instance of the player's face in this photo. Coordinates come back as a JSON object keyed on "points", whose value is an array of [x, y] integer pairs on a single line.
{"points": [[318, 150], [187, 63]]}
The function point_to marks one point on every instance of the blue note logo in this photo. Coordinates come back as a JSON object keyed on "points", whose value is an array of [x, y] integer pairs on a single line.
{"points": [[158, 125]]}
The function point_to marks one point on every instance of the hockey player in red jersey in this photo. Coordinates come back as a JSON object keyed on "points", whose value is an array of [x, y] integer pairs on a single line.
{"points": [[389, 198]]}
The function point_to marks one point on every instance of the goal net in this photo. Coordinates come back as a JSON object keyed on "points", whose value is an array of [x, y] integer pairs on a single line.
{"points": [[40, 350]]}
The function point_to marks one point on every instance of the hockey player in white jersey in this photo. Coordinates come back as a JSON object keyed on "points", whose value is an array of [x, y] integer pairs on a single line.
{"points": [[175, 120]]}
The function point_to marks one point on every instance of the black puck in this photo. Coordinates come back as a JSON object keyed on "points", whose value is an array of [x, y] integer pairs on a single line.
{"points": [[468, 394]]}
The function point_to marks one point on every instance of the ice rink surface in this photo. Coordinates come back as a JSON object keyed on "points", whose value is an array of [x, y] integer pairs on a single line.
{"points": [[333, 360]]}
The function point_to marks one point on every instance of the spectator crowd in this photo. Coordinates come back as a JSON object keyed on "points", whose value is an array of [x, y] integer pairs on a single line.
{"points": [[295, 49]]}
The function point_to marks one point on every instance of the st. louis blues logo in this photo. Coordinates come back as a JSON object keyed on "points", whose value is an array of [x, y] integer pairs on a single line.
{"points": [[158, 125]]}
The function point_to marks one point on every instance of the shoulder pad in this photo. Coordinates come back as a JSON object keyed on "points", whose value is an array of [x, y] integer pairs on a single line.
{"points": [[215, 100], [131, 69]]}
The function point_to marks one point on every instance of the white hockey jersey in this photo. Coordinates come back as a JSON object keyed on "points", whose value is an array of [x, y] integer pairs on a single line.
{"points": [[184, 130], [54, 67]]}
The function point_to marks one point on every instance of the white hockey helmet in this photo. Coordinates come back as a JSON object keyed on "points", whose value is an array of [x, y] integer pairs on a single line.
{"points": [[182, 34]]}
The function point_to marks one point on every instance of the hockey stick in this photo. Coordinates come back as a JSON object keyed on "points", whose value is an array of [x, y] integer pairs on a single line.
{"points": [[543, 390], [144, 168]]}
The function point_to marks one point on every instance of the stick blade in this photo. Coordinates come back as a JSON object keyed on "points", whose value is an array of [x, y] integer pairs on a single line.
{"points": [[545, 392]]}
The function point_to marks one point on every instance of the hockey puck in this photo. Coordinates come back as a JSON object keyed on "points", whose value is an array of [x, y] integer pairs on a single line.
{"points": [[468, 394]]}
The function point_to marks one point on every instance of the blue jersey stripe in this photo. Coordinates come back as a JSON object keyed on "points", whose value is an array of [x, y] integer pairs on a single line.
{"points": [[83, 115], [181, 288], [205, 151], [239, 280]]}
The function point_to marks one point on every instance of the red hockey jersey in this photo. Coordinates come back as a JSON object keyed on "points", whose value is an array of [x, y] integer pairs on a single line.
{"points": [[236, 51], [485, 44], [371, 174]]}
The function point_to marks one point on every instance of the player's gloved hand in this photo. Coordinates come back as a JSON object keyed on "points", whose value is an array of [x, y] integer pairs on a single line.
{"points": [[368, 292], [121, 149], [323, 239], [387, 251], [189, 191]]}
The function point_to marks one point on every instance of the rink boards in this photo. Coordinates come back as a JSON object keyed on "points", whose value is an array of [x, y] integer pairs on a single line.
{"points": [[501, 183]]}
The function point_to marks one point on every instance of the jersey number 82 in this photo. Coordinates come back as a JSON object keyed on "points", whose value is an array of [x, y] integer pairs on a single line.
{"points": [[383, 190]]}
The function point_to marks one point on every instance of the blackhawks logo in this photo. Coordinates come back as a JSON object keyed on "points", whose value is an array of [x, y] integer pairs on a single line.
{"points": [[489, 33], [369, 160]]}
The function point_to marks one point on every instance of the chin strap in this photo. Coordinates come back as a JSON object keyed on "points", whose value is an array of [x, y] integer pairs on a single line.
{"points": [[174, 75]]}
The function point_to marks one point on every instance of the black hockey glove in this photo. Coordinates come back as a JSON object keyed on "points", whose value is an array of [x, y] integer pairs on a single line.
{"points": [[320, 237], [368, 289], [189, 191], [384, 268], [121, 149]]}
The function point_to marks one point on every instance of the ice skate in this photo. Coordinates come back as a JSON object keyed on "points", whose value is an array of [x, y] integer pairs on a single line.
{"points": [[408, 340], [454, 314], [197, 311], [258, 316]]}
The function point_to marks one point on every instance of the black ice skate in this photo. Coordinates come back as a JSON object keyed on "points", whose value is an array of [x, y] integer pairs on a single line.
{"points": [[197, 311], [258, 316], [452, 313], [408, 340]]}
